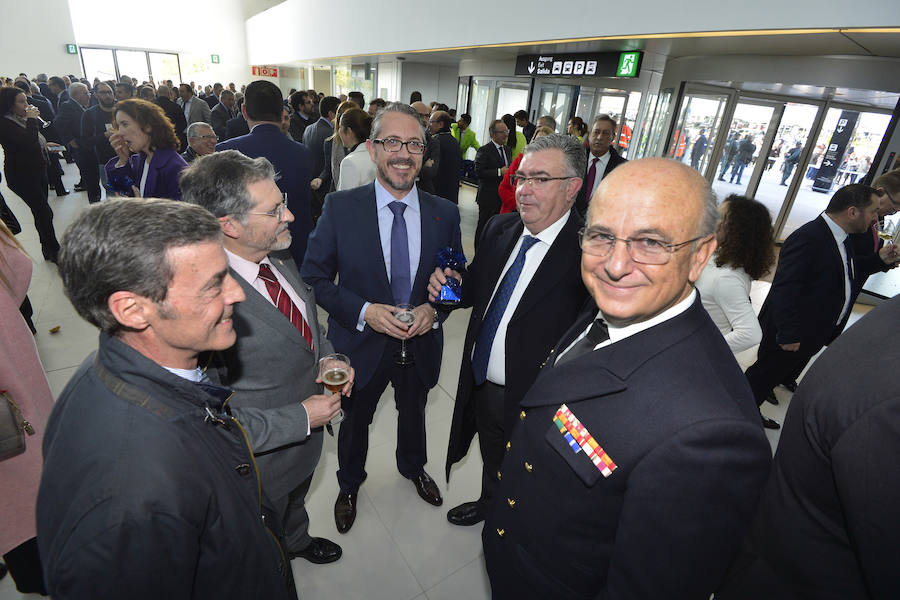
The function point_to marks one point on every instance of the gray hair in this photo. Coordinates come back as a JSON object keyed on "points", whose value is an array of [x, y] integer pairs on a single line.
{"points": [[77, 85], [193, 127], [573, 151], [710, 219], [122, 245], [606, 117], [395, 107], [218, 182]]}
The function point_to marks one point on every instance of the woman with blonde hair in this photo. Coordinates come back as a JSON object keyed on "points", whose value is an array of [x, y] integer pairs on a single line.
{"points": [[357, 168], [23, 381], [147, 163]]}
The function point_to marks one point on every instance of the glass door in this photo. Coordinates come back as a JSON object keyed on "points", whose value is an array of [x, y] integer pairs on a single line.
{"points": [[739, 167], [844, 148], [555, 100], [98, 63], [699, 122]]}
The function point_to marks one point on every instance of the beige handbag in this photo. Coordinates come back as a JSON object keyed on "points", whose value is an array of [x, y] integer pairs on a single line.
{"points": [[13, 428]]}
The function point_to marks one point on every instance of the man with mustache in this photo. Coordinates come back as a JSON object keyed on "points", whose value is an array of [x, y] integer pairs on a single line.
{"points": [[145, 463], [274, 364], [381, 242]]}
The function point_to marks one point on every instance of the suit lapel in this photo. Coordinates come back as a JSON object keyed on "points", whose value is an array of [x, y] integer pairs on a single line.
{"points": [[370, 237], [506, 241], [265, 311]]}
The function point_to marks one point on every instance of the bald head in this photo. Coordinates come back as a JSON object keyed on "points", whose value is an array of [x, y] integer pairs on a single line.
{"points": [[423, 110]]}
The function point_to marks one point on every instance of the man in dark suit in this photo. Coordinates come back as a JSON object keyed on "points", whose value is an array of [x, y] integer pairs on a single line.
{"points": [[262, 108], [96, 127], [814, 288], [68, 126], [602, 158], [637, 460], [173, 113], [431, 160], [381, 241], [222, 112], [446, 182], [236, 127], [301, 117], [491, 164], [511, 339], [827, 522], [274, 364], [214, 98], [193, 107], [528, 128], [314, 138]]}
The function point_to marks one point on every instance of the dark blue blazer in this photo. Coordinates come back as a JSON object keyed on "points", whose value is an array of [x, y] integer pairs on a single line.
{"points": [[292, 162], [346, 243]]}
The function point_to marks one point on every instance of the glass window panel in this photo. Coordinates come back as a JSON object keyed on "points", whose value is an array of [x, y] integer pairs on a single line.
{"points": [[134, 64], [482, 102], [627, 124], [98, 63], [739, 160], [164, 66], [585, 106], [652, 127], [462, 96]]}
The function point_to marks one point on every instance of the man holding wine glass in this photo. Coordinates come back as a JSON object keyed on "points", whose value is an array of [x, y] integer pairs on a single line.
{"points": [[275, 364], [380, 241]]}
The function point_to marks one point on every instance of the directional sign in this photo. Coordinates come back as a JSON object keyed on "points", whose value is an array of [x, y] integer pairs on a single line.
{"points": [[214, 58], [589, 64], [834, 152], [71, 49]]}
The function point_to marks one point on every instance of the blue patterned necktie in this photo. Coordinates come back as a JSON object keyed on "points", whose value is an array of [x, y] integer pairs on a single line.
{"points": [[494, 313], [400, 283]]}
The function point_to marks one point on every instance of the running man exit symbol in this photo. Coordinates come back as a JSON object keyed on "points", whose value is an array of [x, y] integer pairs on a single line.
{"points": [[627, 64]]}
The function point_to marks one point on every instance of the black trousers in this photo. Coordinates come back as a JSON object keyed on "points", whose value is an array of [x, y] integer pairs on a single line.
{"points": [[32, 189], [774, 366], [24, 564], [55, 172], [489, 401], [410, 396], [487, 208]]}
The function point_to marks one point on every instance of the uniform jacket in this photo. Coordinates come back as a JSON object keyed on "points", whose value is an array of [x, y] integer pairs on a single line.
{"points": [[271, 367], [615, 159], [146, 496], [346, 243], [672, 410], [549, 306], [292, 162], [162, 179]]}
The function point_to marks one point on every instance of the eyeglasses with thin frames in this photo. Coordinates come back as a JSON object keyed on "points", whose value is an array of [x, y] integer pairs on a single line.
{"points": [[644, 250], [394, 145], [277, 212], [536, 181]]}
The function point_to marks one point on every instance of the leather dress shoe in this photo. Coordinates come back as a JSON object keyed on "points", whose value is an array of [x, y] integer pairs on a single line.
{"points": [[467, 513], [79, 187], [769, 423], [771, 399], [427, 489], [345, 511], [790, 386], [319, 551], [62, 192]]}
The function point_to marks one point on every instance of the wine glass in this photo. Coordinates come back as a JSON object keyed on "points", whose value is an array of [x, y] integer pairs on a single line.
{"points": [[406, 316], [334, 371]]}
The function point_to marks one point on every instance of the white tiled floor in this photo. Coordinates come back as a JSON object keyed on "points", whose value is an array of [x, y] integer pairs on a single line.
{"points": [[400, 547]]}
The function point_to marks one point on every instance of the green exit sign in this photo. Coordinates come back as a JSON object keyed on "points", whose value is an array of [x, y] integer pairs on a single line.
{"points": [[71, 49], [628, 64], [214, 58]]}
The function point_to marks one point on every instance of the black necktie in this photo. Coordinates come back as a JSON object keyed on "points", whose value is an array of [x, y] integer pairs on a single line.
{"points": [[848, 248], [597, 334]]}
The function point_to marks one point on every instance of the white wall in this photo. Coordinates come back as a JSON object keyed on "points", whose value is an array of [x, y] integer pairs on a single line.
{"points": [[34, 37], [194, 29], [272, 35], [437, 83]]}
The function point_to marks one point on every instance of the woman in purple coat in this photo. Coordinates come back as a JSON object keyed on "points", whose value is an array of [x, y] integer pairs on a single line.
{"points": [[147, 163]]}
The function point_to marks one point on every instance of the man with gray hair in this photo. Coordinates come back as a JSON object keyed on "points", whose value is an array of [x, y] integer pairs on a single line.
{"points": [[201, 141], [601, 158], [274, 364], [525, 290], [637, 459], [491, 163], [149, 488], [68, 126]]}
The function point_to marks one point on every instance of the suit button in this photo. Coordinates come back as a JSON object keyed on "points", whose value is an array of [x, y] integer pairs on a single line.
{"points": [[507, 446], [522, 415], [243, 469], [501, 532], [499, 476], [528, 466], [511, 502]]}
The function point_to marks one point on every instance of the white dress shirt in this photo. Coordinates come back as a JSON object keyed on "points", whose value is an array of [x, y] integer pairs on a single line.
{"points": [[602, 161], [496, 368], [839, 236], [500, 150], [617, 334]]}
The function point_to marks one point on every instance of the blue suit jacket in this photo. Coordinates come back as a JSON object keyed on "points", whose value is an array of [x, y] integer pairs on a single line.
{"points": [[292, 163], [346, 243]]}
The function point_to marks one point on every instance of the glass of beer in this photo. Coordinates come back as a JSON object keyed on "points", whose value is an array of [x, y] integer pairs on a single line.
{"points": [[334, 371]]}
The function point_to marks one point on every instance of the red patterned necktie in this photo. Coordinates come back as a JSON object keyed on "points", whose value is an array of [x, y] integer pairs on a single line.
{"points": [[283, 302]]}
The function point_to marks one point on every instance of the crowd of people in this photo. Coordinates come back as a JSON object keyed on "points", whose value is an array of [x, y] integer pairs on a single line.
{"points": [[623, 451]]}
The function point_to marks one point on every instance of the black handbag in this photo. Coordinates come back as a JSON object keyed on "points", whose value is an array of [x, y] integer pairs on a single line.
{"points": [[13, 427]]}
